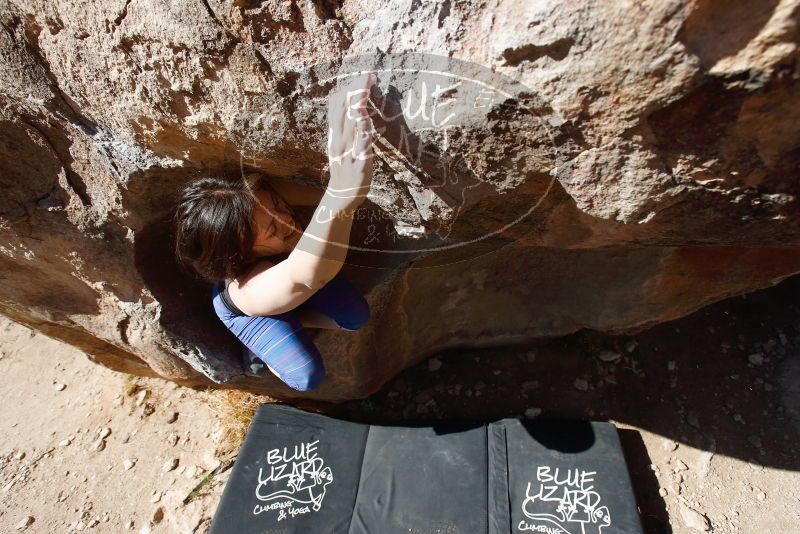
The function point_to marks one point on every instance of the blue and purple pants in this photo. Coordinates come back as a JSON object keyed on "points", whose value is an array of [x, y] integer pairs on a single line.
{"points": [[283, 343]]}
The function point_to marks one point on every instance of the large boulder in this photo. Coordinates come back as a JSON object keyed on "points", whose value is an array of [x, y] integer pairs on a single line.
{"points": [[612, 165]]}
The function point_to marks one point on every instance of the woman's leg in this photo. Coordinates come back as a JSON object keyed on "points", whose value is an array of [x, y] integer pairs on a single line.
{"points": [[283, 344], [279, 341], [340, 301]]}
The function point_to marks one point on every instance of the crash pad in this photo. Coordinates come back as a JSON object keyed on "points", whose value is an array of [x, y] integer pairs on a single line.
{"points": [[303, 472]]}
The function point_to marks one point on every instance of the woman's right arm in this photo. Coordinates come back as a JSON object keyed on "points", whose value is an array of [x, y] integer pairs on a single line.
{"points": [[273, 288], [320, 253]]}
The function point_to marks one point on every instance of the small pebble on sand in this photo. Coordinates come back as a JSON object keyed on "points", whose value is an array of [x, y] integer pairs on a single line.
{"points": [[25, 523], [169, 465], [695, 519], [158, 515], [581, 384], [533, 413], [609, 356]]}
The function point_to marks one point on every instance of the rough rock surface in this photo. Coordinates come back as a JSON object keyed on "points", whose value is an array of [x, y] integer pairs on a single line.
{"points": [[659, 143]]}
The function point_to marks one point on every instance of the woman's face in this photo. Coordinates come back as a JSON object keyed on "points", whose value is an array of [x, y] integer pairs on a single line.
{"points": [[274, 224]]}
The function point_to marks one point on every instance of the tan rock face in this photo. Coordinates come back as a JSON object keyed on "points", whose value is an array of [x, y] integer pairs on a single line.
{"points": [[606, 165]]}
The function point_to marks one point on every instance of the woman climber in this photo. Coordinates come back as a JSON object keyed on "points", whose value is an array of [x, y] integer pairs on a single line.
{"points": [[272, 281]]}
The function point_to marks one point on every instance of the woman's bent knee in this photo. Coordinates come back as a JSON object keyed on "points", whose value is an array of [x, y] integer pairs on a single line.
{"points": [[358, 313], [306, 381]]}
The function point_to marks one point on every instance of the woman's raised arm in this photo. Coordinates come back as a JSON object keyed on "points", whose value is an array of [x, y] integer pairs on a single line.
{"points": [[322, 249]]}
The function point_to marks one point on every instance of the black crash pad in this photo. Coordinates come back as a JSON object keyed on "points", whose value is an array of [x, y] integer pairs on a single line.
{"points": [[301, 472]]}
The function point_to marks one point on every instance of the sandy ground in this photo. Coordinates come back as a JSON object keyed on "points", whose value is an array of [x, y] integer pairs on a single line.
{"points": [[57, 468], [708, 409]]}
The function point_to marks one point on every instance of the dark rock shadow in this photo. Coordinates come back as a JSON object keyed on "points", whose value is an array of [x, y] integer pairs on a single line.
{"points": [[186, 308], [652, 508]]}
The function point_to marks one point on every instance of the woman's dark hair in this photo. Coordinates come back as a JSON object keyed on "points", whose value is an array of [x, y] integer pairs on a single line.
{"points": [[214, 229]]}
